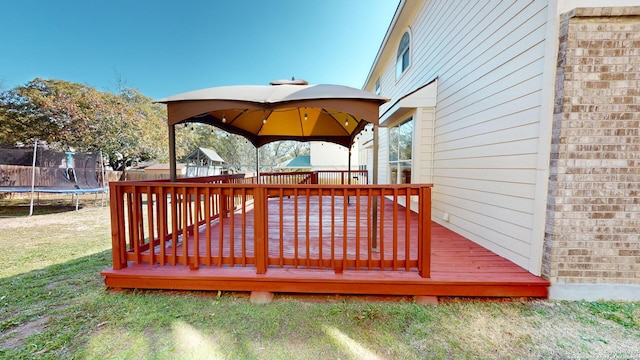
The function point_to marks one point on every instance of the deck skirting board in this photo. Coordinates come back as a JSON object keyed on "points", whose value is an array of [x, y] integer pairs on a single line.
{"points": [[318, 281]]}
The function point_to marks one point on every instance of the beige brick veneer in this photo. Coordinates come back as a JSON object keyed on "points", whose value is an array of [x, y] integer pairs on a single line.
{"points": [[593, 212]]}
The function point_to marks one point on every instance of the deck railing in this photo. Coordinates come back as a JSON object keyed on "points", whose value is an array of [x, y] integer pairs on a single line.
{"points": [[328, 177], [229, 222]]}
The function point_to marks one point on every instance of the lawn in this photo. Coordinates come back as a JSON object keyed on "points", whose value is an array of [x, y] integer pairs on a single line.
{"points": [[53, 304]]}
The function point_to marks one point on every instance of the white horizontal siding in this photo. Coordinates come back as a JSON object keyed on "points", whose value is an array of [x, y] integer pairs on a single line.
{"points": [[509, 46], [383, 155], [517, 218], [488, 57], [423, 163], [451, 136], [509, 141], [488, 163], [525, 176]]}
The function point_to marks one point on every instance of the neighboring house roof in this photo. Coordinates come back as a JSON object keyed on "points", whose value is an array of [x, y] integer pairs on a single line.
{"points": [[210, 154], [301, 161]]}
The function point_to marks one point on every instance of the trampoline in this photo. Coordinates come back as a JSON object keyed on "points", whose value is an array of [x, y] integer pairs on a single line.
{"points": [[38, 170]]}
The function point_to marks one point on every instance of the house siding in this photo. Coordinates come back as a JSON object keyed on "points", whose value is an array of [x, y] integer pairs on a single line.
{"points": [[480, 149], [593, 213]]}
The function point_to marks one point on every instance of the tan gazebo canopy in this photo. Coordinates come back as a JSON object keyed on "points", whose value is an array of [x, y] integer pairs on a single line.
{"points": [[284, 110]]}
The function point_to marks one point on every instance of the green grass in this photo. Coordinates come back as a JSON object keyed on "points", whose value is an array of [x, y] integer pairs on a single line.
{"points": [[43, 204], [53, 304]]}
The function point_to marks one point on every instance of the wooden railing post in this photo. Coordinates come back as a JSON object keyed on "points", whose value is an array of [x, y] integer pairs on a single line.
{"points": [[118, 242], [260, 228], [424, 232]]}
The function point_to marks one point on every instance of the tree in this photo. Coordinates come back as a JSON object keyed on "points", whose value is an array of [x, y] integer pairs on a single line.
{"points": [[128, 127], [133, 129], [25, 114]]}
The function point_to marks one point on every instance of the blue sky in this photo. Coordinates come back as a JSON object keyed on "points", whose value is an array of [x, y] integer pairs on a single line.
{"points": [[164, 48]]}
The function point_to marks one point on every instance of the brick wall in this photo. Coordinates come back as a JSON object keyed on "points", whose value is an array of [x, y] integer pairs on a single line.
{"points": [[593, 212]]}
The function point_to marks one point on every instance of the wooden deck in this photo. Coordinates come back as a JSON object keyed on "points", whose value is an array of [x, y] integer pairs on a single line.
{"points": [[299, 261]]}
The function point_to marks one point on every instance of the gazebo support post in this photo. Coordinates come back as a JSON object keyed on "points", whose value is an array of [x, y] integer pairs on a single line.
{"points": [[349, 171], [349, 166], [172, 153], [257, 165]]}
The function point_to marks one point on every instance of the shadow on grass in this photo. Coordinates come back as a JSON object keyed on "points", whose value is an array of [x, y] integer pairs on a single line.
{"points": [[42, 312], [48, 204], [23, 210], [64, 310]]}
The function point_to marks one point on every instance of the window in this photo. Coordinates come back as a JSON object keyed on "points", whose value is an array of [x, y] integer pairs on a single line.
{"points": [[404, 55], [377, 91], [400, 151]]}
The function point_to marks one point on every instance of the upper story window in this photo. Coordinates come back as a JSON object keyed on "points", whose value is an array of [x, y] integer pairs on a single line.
{"points": [[404, 55], [377, 91]]}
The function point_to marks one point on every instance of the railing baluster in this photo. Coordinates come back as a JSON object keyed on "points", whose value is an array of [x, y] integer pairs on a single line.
{"points": [[174, 226], [232, 244], [357, 229], [281, 236], [207, 225], [369, 240], [320, 257], [130, 220], [185, 226], [195, 263], [333, 226], [407, 227], [221, 216], [162, 222], [307, 237], [295, 228], [137, 219], [244, 227], [150, 223], [265, 226], [345, 203], [381, 232], [395, 229]]}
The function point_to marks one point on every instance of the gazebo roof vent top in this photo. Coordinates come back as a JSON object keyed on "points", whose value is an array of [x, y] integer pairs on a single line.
{"points": [[293, 81]]}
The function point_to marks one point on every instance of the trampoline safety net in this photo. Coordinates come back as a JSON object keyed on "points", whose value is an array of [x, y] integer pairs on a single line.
{"points": [[54, 171]]}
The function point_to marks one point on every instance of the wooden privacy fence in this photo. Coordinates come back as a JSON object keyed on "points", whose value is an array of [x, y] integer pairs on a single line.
{"points": [[227, 222]]}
